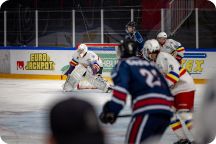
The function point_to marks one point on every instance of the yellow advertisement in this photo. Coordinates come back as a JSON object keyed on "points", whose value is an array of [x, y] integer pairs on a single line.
{"points": [[193, 66], [40, 61]]}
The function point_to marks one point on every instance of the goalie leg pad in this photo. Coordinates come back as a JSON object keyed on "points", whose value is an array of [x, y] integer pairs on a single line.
{"points": [[70, 84], [98, 82], [74, 78]]}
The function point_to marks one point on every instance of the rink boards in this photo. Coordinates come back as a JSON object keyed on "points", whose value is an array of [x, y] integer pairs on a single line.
{"points": [[52, 62]]}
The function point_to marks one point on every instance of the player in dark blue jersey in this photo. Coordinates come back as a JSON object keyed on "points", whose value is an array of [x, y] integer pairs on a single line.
{"points": [[132, 34], [151, 98]]}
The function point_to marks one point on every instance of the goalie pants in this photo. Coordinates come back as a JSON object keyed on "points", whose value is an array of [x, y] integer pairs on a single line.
{"points": [[143, 127]]}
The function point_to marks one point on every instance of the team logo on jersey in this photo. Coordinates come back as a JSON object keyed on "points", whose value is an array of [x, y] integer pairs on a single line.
{"points": [[165, 59], [171, 67]]}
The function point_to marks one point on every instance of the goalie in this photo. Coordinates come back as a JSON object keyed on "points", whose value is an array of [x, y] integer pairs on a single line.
{"points": [[85, 64]]}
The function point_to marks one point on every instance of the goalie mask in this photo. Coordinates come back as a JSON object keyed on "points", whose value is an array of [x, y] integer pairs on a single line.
{"points": [[127, 49], [82, 49], [151, 49]]}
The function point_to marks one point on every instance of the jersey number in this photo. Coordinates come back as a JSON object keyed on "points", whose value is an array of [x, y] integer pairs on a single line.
{"points": [[150, 76]]}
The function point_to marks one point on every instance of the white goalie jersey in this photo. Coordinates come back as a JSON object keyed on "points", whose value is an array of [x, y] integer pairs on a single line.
{"points": [[177, 77], [88, 59], [174, 48]]}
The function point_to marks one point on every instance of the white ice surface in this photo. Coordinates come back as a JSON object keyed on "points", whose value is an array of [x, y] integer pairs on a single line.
{"points": [[24, 105]]}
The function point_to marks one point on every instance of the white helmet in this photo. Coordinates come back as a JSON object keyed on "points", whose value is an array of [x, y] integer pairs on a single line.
{"points": [[162, 35], [82, 49], [150, 47]]}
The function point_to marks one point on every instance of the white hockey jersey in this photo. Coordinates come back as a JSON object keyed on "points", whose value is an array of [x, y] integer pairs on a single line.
{"points": [[177, 77], [174, 48], [88, 59]]}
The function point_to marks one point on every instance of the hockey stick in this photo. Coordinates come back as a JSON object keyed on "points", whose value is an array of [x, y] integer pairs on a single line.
{"points": [[124, 116], [117, 40]]}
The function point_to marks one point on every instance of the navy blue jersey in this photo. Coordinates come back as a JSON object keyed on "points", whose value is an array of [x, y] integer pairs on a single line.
{"points": [[148, 89], [137, 37]]}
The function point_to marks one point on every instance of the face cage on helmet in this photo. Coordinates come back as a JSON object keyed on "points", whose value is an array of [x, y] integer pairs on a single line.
{"points": [[145, 54], [149, 54], [81, 52]]}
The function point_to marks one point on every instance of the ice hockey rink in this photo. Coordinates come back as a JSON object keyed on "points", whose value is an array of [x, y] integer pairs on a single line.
{"points": [[24, 105]]}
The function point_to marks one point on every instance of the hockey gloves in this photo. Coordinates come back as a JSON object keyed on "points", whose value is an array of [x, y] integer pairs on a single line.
{"points": [[107, 116]]}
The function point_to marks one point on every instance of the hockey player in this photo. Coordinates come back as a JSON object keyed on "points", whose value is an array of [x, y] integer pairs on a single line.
{"points": [[171, 46], [132, 34], [151, 98], [85, 64], [182, 87]]}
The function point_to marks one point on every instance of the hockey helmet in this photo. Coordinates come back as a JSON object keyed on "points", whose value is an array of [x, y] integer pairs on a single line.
{"points": [[151, 47], [82, 49], [162, 35], [132, 26], [127, 49], [131, 23]]}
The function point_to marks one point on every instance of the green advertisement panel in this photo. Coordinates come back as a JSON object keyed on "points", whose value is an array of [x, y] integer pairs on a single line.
{"points": [[109, 61]]}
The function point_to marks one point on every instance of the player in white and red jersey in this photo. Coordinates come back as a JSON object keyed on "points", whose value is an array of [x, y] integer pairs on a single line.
{"points": [[171, 46], [181, 84], [87, 64]]}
